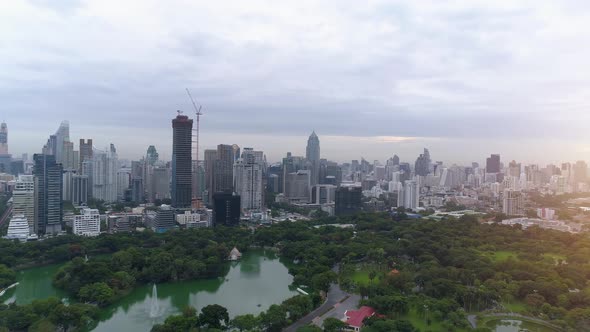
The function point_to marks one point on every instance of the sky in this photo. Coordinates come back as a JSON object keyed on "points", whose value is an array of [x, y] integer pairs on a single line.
{"points": [[373, 78]]}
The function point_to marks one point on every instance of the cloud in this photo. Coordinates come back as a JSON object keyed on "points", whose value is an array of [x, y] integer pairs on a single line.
{"points": [[456, 70]]}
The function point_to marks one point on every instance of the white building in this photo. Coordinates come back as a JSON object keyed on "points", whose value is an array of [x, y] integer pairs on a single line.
{"points": [[88, 223], [104, 175], [23, 199], [248, 179], [195, 219], [409, 195], [18, 228], [545, 213]]}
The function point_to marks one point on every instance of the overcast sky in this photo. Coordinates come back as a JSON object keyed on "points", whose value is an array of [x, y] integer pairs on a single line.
{"points": [[372, 78]]}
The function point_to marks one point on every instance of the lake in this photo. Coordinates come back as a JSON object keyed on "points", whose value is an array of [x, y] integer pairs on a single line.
{"points": [[515, 325], [251, 285]]}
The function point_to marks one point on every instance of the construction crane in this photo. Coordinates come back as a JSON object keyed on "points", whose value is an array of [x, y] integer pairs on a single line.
{"points": [[198, 113]]}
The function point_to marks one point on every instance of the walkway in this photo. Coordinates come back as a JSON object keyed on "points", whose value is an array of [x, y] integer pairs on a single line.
{"points": [[335, 295]]}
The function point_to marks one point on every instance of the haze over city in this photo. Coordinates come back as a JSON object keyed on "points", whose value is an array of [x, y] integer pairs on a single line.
{"points": [[463, 78]]}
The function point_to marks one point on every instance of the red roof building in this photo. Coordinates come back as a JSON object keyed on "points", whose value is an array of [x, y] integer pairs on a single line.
{"points": [[355, 318]]}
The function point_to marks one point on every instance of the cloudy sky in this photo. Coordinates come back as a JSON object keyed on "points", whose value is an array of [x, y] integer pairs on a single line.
{"points": [[372, 78]]}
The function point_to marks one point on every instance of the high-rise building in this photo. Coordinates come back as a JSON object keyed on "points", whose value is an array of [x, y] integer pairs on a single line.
{"points": [[104, 175], [422, 166], [181, 191], [323, 194], [160, 183], [55, 143], [580, 171], [85, 151], [48, 194], [226, 209], [162, 220], [87, 223], [348, 199], [151, 155], [298, 186], [291, 164], [312, 154], [70, 157], [513, 203], [248, 174], [223, 168], [123, 182], [493, 164], [137, 190], [210, 158], [79, 190], [67, 184], [409, 195], [23, 199], [3, 138]]}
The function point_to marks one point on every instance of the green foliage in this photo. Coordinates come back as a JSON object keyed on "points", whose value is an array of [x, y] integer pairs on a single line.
{"points": [[98, 292], [214, 316], [7, 276], [333, 325]]}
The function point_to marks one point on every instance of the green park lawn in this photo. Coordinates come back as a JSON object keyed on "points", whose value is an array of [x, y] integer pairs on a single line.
{"points": [[501, 255], [361, 277], [421, 324], [514, 306]]}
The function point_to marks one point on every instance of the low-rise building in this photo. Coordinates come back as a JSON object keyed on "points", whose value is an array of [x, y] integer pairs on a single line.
{"points": [[87, 223], [355, 318], [18, 228]]}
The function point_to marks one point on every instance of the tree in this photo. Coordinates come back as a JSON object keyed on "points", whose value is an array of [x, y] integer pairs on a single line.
{"points": [[309, 328], [333, 325], [214, 316], [99, 293], [7, 276], [244, 322], [274, 319]]}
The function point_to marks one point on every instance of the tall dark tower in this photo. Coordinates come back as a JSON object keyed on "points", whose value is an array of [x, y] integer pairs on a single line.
{"points": [[48, 194], [181, 193]]}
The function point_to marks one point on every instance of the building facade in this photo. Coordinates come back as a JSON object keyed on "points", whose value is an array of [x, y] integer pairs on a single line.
{"points": [[181, 189], [87, 223]]}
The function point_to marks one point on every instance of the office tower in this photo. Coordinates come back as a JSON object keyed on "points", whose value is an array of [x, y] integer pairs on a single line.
{"points": [[580, 171], [312, 154], [199, 181], [85, 151], [162, 220], [493, 164], [23, 199], [422, 165], [248, 173], [151, 155], [514, 169], [3, 139], [70, 157], [210, 158], [80, 189], [137, 190], [160, 183], [298, 186], [181, 191], [224, 164], [513, 203], [323, 194], [235, 152], [291, 164], [48, 194], [18, 228], [409, 195], [104, 175], [87, 223], [348, 199], [123, 182], [55, 143], [17, 166], [226, 209], [67, 184]]}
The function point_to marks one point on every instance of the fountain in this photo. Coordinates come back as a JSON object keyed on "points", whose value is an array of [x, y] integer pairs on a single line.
{"points": [[154, 306]]}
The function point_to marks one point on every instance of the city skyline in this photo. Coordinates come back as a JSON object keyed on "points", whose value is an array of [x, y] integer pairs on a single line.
{"points": [[358, 77]]}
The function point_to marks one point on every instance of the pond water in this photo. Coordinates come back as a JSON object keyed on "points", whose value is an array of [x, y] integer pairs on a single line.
{"points": [[251, 285], [515, 325]]}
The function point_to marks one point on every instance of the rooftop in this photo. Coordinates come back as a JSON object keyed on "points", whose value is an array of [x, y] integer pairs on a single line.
{"points": [[355, 318]]}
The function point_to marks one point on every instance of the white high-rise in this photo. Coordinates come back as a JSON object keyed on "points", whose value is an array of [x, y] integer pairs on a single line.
{"points": [[409, 195], [23, 199], [104, 175], [87, 224], [513, 202], [248, 179]]}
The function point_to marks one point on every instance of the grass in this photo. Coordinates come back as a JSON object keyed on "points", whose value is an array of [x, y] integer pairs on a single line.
{"points": [[421, 324], [501, 255], [362, 277], [515, 306]]}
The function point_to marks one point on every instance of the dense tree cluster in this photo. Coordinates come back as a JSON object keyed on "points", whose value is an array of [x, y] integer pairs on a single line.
{"points": [[47, 315]]}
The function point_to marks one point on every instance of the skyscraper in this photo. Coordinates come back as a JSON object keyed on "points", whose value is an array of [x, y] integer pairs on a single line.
{"points": [[152, 155], [181, 191], [409, 195], [348, 199], [85, 151], [5, 157], [104, 175], [493, 164], [224, 164], [210, 158], [312, 154], [48, 194], [248, 173], [422, 166], [226, 209]]}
